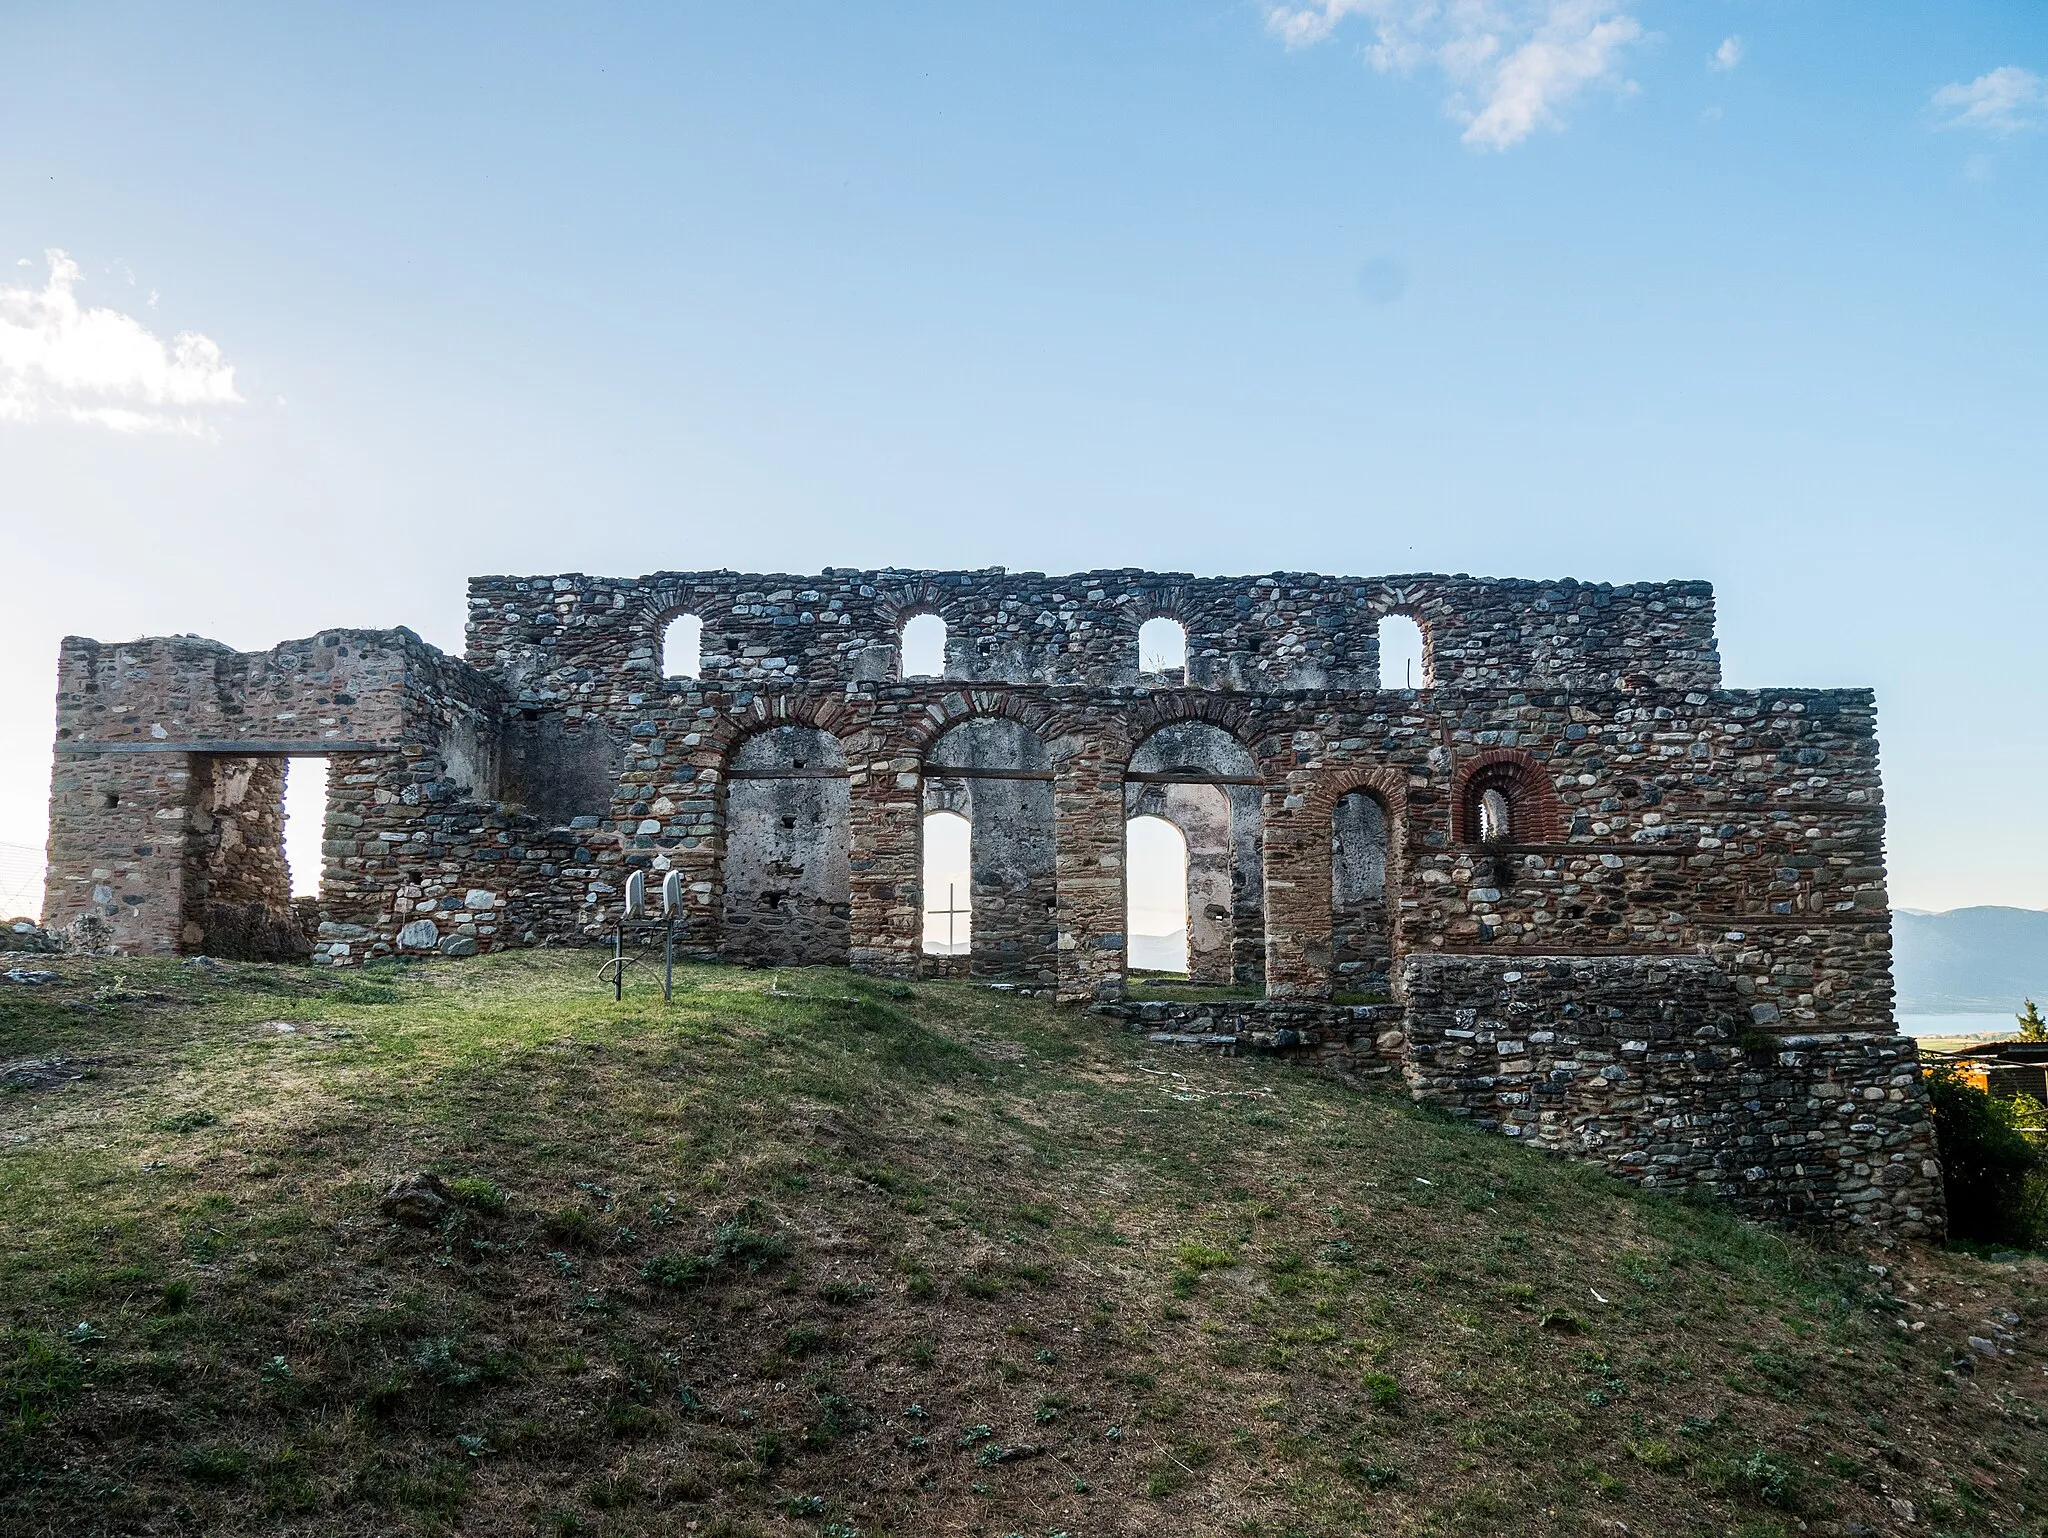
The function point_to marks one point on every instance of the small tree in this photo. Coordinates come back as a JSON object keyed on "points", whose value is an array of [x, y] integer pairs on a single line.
{"points": [[2032, 1026], [1993, 1172]]}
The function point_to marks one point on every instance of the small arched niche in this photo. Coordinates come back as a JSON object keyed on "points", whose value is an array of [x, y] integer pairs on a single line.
{"points": [[1163, 649], [922, 647], [1404, 655], [1505, 803], [682, 647]]}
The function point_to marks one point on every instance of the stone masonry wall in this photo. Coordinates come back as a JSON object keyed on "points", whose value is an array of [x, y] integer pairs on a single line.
{"points": [[1647, 1066], [152, 734], [595, 643], [1759, 841]]}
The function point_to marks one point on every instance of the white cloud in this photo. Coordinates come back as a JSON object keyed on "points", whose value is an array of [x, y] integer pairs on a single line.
{"points": [[1728, 55], [2005, 101], [98, 366], [1511, 64]]}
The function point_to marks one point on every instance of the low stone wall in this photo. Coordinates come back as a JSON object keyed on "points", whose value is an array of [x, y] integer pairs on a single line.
{"points": [[1649, 1066], [1360, 1039]]}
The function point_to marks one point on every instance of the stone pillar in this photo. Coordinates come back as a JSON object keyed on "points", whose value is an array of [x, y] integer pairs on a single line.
{"points": [[1088, 863], [118, 834], [885, 856], [1298, 948]]}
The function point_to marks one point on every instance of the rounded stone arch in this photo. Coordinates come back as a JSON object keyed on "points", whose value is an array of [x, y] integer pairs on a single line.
{"points": [[1228, 715], [1516, 777], [725, 735], [893, 606], [940, 717], [1411, 605], [897, 606], [660, 604], [1136, 610]]}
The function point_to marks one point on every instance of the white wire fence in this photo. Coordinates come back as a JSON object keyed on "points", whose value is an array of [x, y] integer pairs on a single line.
{"points": [[21, 881]]}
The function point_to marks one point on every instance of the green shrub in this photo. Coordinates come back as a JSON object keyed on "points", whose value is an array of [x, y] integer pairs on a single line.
{"points": [[673, 1271], [477, 1194], [1996, 1177], [738, 1243]]}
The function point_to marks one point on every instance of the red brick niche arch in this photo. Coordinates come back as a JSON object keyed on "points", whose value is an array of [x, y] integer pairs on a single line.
{"points": [[1515, 784]]}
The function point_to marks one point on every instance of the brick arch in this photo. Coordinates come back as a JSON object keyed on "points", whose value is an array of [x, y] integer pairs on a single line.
{"points": [[895, 606], [914, 737], [1533, 815], [724, 735], [1226, 713], [660, 604], [1388, 786], [967, 704]]}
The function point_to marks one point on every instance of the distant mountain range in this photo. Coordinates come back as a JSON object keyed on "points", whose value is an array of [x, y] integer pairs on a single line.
{"points": [[1969, 960], [1160, 953]]}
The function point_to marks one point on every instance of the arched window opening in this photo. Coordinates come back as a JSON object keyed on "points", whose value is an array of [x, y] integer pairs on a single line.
{"points": [[1163, 648], [948, 885], [305, 822], [996, 774], [1403, 661], [1207, 784], [1156, 886], [924, 647], [682, 647]]}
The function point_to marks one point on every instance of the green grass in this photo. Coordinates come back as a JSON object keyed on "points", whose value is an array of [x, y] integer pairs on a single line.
{"points": [[810, 1252]]}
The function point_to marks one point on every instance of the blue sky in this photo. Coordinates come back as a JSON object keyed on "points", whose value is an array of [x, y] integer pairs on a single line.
{"points": [[1531, 287]]}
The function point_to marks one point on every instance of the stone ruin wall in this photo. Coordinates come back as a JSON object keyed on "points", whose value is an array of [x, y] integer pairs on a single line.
{"points": [[500, 800]]}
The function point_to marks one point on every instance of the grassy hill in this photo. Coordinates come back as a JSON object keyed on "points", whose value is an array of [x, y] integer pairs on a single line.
{"points": [[810, 1253]]}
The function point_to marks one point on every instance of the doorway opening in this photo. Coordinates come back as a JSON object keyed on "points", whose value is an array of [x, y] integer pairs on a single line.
{"points": [[305, 823], [1156, 920]]}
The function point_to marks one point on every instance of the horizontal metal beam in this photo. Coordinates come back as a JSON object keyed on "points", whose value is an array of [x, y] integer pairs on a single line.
{"points": [[1187, 777]]}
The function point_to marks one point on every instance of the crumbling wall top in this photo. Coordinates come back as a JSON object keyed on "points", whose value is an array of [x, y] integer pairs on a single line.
{"points": [[573, 637]]}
